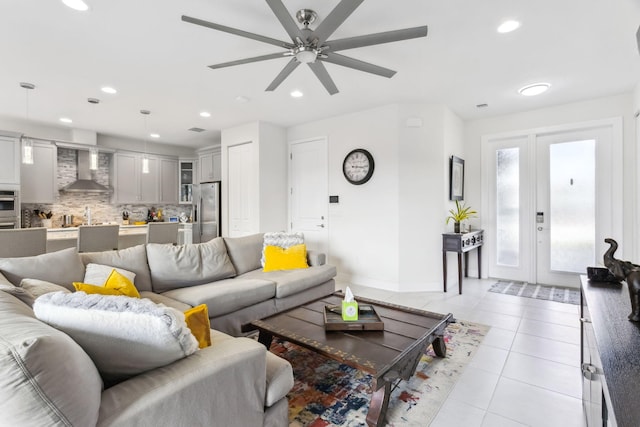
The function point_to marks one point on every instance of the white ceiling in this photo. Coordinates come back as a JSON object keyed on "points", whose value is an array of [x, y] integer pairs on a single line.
{"points": [[584, 48]]}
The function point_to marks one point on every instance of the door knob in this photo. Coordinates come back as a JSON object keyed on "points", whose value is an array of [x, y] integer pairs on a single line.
{"points": [[321, 225]]}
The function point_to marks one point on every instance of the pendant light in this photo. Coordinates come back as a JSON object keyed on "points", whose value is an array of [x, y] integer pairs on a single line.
{"points": [[27, 143], [93, 151], [145, 159]]}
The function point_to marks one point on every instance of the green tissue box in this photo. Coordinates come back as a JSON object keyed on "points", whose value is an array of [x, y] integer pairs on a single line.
{"points": [[349, 310]]}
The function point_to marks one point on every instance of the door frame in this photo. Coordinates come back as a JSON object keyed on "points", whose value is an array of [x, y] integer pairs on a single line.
{"points": [[325, 140], [615, 186]]}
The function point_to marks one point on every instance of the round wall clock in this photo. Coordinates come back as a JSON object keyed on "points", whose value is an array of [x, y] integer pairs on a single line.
{"points": [[358, 166]]}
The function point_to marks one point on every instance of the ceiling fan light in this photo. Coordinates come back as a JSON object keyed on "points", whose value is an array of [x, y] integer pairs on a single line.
{"points": [[306, 56], [297, 94], [534, 89]]}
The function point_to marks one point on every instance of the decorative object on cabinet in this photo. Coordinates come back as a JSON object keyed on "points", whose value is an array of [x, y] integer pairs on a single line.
{"points": [[358, 166], [456, 178], [627, 271], [461, 213], [187, 174]]}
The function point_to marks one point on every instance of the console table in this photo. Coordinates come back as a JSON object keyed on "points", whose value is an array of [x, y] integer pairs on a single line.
{"points": [[462, 243]]}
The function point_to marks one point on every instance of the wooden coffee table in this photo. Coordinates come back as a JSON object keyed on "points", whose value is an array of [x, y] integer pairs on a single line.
{"points": [[389, 356]]}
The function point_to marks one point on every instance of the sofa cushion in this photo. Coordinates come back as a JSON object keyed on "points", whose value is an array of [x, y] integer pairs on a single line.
{"points": [[62, 267], [40, 287], [22, 294], [133, 259], [124, 336], [225, 296], [279, 379], [293, 281], [281, 239], [161, 299], [245, 252], [46, 379], [188, 265], [97, 274]]}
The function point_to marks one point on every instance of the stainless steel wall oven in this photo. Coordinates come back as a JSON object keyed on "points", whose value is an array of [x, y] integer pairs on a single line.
{"points": [[9, 209]]}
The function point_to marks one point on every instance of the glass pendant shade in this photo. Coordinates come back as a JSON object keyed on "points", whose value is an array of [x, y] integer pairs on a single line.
{"points": [[93, 159], [27, 151], [145, 164]]}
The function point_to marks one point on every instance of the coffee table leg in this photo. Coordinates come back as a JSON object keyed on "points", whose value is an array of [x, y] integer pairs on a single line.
{"points": [[439, 347], [265, 339], [379, 404]]}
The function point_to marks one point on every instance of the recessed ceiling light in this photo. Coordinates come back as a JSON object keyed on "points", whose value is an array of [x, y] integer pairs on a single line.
{"points": [[66, 120], [154, 135], [297, 94], [508, 26], [109, 89], [205, 114], [76, 5], [534, 89]]}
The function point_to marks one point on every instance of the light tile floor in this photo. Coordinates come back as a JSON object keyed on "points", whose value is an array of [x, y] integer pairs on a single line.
{"points": [[525, 372]]}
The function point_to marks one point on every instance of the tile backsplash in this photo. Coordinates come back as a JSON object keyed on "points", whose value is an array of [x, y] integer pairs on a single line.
{"points": [[102, 210]]}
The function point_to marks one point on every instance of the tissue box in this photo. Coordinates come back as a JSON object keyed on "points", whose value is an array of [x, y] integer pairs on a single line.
{"points": [[349, 310]]}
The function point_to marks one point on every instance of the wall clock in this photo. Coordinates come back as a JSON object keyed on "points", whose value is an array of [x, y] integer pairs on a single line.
{"points": [[358, 166]]}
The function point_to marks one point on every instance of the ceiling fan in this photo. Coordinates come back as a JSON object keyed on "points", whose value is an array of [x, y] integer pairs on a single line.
{"points": [[312, 47]]}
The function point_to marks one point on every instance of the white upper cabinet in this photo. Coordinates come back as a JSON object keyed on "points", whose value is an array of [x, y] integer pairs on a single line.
{"points": [[169, 181], [209, 166], [10, 160], [130, 184], [39, 181]]}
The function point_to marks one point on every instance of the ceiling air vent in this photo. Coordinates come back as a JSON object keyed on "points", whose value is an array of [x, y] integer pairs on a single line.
{"points": [[196, 130]]}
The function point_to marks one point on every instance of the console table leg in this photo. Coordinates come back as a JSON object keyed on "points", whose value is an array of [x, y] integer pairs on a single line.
{"points": [[444, 269], [479, 262], [459, 273], [466, 264], [378, 406]]}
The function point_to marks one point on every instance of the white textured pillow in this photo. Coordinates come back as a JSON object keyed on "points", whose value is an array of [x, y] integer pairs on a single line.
{"points": [[123, 336], [97, 274], [281, 239], [39, 287]]}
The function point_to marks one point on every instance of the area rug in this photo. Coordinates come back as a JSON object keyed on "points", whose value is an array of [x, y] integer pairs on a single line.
{"points": [[328, 393], [551, 293]]}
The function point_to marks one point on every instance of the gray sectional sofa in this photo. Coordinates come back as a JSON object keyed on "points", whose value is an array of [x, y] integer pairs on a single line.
{"points": [[235, 381]]}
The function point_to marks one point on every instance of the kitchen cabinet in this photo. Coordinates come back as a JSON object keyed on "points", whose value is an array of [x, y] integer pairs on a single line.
{"points": [[130, 184], [38, 181], [187, 175], [209, 166], [10, 160], [169, 181]]}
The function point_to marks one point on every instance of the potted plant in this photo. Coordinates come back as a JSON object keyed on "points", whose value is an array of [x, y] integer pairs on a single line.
{"points": [[461, 213]]}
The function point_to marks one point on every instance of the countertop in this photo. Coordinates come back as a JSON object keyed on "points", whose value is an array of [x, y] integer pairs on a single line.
{"points": [[71, 233]]}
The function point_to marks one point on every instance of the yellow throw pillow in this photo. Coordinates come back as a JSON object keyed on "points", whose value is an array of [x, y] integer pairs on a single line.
{"points": [[197, 319], [291, 258], [116, 284]]}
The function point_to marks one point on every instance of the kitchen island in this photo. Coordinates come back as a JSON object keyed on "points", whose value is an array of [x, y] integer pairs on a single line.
{"points": [[130, 235]]}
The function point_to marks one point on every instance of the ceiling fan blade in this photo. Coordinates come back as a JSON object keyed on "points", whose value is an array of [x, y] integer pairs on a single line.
{"points": [[377, 38], [248, 60], [288, 69], [236, 32], [345, 61], [337, 16], [322, 74], [285, 19]]}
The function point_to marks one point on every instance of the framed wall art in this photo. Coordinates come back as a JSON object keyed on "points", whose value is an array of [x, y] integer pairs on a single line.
{"points": [[456, 178]]}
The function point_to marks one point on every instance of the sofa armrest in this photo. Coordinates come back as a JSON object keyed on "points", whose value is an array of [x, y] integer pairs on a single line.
{"points": [[224, 383], [316, 258], [4, 280]]}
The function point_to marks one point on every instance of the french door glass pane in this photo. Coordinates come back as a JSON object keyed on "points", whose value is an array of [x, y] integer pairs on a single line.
{"points": [[572, 205], [508, 206]]}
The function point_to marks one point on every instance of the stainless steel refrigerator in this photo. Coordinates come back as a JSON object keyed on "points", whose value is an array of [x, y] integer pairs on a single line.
{"points": [[206, 211]]}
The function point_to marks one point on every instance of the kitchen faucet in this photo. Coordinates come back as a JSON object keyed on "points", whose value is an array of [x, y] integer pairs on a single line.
{"points": [[87, 214]]}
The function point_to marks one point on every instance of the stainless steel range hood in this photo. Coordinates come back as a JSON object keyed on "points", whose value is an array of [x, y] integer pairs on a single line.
{"points": [[85, 182]]}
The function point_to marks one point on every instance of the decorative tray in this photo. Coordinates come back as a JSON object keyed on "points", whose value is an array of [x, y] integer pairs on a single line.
{"points": [[368, 319]]}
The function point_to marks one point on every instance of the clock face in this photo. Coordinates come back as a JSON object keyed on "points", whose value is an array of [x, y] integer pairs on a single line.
{"points": [[358, 166]]}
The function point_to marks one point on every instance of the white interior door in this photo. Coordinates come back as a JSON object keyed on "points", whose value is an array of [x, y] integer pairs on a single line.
{"points": [[551, 197], [309, 192], [242, 189]]}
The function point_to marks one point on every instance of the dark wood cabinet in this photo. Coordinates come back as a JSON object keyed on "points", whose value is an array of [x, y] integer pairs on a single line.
{"points": [[462, 243], [610, 356]]}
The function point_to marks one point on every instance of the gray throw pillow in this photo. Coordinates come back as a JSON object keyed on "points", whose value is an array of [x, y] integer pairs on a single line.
{"points": [[245, 252], [40, 287]]}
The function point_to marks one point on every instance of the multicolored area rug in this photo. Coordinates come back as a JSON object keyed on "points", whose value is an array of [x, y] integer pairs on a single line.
{"points": [[328, 393], [551, 293]]}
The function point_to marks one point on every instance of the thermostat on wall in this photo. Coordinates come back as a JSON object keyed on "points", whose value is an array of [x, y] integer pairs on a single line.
{"points": [[334, 199]]}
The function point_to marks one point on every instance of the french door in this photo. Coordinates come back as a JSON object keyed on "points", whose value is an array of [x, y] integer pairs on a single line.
{"points": [[550, 201]]}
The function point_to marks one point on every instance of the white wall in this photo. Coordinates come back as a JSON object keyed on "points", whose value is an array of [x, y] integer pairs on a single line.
{"points": [[601, 108], [387, 232]]}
